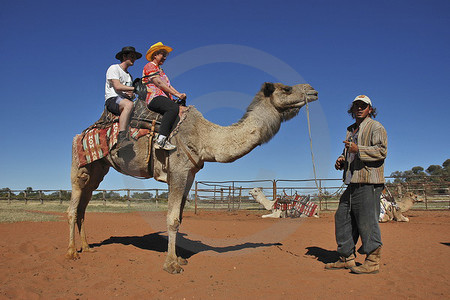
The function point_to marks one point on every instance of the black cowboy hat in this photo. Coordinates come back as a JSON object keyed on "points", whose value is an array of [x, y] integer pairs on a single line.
{"points": [[126, 50]]}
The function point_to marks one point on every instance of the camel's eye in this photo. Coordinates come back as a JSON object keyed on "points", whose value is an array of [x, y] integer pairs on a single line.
{"points": [[287, 89]]}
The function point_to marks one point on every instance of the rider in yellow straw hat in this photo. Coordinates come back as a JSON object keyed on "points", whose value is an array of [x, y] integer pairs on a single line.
{"points": [[160, 93], [156, 47]]}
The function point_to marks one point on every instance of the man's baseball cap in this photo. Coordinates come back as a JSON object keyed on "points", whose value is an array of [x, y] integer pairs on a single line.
{"points": [[364, 99]]}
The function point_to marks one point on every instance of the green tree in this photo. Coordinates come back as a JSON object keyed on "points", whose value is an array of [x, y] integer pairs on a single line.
{"points": [[446, 164], [4, 192], [418, 170], [144, 195], [164, 195], [434, 170]]}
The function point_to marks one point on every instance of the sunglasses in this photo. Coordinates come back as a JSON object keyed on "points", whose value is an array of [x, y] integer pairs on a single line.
{"points": [[361, 105]]}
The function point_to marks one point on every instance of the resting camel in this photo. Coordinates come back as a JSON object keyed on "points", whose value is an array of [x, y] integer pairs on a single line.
{"points": [[197, 141], [394, 211], [259, 196]]}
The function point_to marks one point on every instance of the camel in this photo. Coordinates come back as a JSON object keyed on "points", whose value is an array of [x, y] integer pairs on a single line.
{"points": [[259, 196], [198, 140], [407, 201], [393, 211]]}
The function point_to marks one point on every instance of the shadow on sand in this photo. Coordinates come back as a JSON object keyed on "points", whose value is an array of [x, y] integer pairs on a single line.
{"points": [[322, 255], [185, 247]]}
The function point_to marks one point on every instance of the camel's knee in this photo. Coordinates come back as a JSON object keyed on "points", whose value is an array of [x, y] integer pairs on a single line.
{"points": [[174, 225], [71, 216], [83, 179]]}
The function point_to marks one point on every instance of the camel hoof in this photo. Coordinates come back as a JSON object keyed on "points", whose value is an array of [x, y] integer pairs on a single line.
{"points": [[173, 268], [88, 250], [72, 255], [182, 261]]}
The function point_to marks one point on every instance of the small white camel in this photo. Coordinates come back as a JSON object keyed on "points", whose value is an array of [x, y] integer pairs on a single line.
{"points": [[259, 196]]}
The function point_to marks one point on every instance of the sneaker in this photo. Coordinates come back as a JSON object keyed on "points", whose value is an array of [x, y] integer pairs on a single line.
{"points": [[165, 145]]}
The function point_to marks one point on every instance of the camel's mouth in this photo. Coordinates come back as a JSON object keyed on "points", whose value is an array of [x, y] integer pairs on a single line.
{"points": [[309, 95]]}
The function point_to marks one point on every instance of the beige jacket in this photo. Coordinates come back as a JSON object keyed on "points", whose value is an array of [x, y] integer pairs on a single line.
{"points": [[368, 165]]}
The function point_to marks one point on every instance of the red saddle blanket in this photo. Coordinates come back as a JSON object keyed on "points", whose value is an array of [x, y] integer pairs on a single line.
{"points": [[298, 203], [96, 143]]}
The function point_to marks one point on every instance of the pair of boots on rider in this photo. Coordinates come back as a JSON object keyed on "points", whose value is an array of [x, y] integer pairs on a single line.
{"points": [[119, 92]]}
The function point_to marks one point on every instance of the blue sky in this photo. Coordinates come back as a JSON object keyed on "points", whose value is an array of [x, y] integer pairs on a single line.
{"points": [[55, 55]]}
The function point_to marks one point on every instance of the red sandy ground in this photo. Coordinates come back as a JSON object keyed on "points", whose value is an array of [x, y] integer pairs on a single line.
{"points": [[234, 255]]}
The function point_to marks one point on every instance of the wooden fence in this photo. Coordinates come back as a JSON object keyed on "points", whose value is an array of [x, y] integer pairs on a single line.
{"points": [[234, 195]]}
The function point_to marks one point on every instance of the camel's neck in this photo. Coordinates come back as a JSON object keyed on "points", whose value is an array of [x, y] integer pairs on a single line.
{"points": [[226, 144], [261, 198]]}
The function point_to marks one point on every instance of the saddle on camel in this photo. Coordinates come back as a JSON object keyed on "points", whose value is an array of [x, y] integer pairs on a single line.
{"points": [[100, 139]]}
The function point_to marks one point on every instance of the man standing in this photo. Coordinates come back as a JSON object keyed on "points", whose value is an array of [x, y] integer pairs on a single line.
{"points": [[119, 91], [359, 207]]}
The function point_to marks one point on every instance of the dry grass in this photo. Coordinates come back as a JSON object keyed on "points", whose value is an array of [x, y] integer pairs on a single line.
{"points": [[34, 211]]}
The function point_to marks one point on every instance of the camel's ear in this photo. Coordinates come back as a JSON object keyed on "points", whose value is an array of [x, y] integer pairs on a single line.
{"points": [[268, 89]]}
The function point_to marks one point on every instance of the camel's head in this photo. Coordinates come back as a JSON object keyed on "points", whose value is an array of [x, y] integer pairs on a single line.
{"points": [[288, 99], [414, 197], [255, 191]]}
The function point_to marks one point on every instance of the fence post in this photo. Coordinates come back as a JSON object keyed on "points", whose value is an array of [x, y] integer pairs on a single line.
{"points": [[40, 197], [232, 196], [104, 197], [25, 194], [60, 197], [214, 198], [425, 194], [196, 197], [128, 198], [274, 191], [9, 197], [320, 192], [229, 196], [240, 198], [399, 190]]}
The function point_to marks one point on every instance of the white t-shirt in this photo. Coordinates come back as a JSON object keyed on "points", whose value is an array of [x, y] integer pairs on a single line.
{"points": [[116, 72]]}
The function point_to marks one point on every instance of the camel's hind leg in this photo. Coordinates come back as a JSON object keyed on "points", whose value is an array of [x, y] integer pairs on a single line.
{"points": [[179, 187], [84, 181]]}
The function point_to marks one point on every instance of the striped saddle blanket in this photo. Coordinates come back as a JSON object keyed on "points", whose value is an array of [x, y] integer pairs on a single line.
{"points": [[296, 205], [95, 143]]}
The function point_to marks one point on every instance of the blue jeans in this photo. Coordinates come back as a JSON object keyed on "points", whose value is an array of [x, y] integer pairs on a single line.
{"points": [[357, 216]]}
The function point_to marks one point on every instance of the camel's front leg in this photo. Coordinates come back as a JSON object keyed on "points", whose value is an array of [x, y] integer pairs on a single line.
{"points": [[80, 221], [171, 264], [178, 192], [72, 216], [275, 214]]}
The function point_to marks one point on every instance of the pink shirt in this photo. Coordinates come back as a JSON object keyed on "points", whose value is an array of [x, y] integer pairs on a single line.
{"points": [[152, 90]]}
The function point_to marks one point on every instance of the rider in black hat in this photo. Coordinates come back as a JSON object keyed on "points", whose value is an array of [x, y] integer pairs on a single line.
{"points": [[119, 91]]}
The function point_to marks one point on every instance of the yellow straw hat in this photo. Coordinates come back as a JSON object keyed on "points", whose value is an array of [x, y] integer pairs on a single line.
{"points": [[156, 47]]}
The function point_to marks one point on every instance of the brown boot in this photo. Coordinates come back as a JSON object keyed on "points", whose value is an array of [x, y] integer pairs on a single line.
{"points": [[371, 265], [342, 263]]}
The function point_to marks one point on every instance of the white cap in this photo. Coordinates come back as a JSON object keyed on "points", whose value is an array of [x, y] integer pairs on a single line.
{"points": [[364, 99]]}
